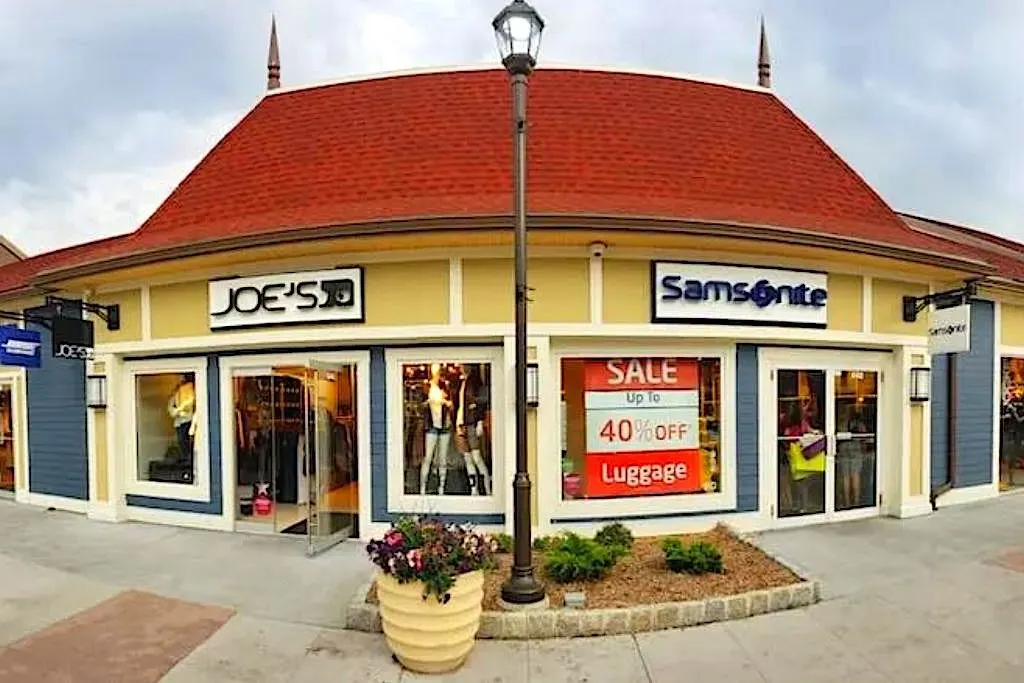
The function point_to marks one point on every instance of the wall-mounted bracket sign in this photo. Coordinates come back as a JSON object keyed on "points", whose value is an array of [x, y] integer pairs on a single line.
{"points": [[949, 325], [20, 348], [71, 335], [711, 293], [334, 295]]}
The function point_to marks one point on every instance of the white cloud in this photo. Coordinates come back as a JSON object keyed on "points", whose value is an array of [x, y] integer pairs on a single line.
{"points": [[929, 117], [110, 183]]}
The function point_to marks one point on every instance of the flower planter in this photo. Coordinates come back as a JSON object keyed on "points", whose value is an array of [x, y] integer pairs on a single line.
{"points": [[425, 635]]}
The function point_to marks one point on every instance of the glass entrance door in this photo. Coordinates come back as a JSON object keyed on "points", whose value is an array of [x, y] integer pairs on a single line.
{"points": [[826, 442], [332, 459]]}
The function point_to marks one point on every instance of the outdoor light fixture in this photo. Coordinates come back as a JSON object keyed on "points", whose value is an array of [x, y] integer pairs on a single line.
{"points": [[517, 29], [532, 385], [920, 384], [96, 391]]}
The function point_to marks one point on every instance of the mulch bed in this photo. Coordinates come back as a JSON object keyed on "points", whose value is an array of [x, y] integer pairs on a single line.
{"points": [[641, 577]]}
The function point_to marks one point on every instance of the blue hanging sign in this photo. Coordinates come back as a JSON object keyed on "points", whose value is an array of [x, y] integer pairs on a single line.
{"points": [[20, 348]]}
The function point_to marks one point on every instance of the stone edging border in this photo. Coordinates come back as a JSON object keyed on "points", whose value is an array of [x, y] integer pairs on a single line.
{"points": [[569, 623]]}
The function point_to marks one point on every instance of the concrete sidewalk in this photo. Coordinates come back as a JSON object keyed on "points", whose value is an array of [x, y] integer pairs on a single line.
{"points": [[933, 599]]}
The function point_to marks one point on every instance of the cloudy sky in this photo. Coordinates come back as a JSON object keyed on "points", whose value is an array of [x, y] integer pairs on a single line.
{"points": [[108, 103]]}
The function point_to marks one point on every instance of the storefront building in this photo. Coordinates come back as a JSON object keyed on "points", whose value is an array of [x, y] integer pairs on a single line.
{"points": [[316, 327]]}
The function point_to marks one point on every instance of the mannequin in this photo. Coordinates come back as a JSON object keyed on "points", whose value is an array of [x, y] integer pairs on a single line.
{"points": [[470, 426], [182, 408], [438, 425]]}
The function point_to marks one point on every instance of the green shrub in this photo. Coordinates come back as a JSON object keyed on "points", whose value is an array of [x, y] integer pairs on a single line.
{"points": [[543, 543], [697, 558], [504, 543], [615, 534], [572, 558]]}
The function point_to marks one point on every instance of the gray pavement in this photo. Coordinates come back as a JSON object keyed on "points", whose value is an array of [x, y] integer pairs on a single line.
{"points": [[930, 599]]}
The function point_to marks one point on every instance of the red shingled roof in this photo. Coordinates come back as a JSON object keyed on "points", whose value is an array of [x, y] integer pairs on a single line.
{"points": [[438, 145]]}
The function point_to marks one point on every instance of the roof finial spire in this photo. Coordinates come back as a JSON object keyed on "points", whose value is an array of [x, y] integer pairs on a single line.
{"points": [[273, 58], [764, 61]]}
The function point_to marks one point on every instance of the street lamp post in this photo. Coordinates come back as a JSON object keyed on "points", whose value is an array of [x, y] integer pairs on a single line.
{"points": [[518, 28]]}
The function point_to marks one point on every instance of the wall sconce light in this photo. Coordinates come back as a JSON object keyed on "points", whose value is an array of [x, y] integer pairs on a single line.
{"points": [[96, 391], [532, 385], [920, 384]]}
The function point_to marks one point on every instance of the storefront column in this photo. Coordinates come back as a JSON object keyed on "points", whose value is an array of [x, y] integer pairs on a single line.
{"points": [[910, 485]]}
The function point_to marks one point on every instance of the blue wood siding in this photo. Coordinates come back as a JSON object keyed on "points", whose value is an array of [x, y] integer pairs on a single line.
{"points": [[975, 410], [215, 504], [747, 421], [379, 450], [58, 460]]}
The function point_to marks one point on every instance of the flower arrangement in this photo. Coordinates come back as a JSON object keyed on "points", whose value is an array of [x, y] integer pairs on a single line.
{"points": [[430, 551]]}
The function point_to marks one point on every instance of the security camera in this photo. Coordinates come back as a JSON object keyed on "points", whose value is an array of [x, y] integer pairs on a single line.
{"points": [[597, 249]]}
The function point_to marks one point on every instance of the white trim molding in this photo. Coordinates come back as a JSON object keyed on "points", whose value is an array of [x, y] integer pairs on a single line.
{"points": [[596, 272], [56, 502], [968, 494], [199, 489], [145, 313], [455, 290]]}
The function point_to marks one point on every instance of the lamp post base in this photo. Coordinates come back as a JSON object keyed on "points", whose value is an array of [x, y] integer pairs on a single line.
{"points": [[522, 589]]}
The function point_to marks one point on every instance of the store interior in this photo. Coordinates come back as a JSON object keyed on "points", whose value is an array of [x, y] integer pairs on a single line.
{"points": [[447, 442], [296, 451], [7, 452]]}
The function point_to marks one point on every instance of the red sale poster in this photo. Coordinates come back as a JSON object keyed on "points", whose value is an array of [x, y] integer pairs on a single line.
{"points": [[643, 474], [642, 427]]}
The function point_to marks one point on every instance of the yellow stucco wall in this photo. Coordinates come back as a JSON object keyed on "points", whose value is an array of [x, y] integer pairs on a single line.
{"points": [[20, 304], [916, 449], [561, 290], [179, 310], [100, 447], [531, 463], [130, 302], [1011, 324], [887, 307], [627, 291], [845, 302], [406, 293]]}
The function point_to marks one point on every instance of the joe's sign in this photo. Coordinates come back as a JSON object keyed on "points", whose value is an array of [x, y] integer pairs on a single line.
{"points": [[642, 425], [288, 298]]}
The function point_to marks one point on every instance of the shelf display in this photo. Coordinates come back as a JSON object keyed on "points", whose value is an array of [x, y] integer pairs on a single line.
{"points": [[447, 447]]}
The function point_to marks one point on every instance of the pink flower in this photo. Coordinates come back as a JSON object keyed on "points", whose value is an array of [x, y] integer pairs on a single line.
{"points": [[416, 559], [393, 537]]}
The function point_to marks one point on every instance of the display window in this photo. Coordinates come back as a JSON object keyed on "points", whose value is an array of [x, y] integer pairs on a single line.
{"points": [[168, 455], [446, 428], [8, 453], [1011, 424], [642, 433]]}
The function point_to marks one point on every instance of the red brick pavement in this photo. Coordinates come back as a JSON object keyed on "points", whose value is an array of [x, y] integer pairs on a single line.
{"points": [[134, 637]]}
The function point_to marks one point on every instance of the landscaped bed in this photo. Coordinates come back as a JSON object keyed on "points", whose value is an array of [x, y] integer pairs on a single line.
{"points": [[640, 576]]}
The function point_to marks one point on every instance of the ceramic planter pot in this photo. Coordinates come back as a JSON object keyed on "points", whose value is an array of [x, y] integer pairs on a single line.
{"points": [[425, 635]]}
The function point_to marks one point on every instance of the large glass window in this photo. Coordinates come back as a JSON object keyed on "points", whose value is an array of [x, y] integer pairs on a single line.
{"points": [[640, 427], [1011, 442], [166, 427], [447, 442]]}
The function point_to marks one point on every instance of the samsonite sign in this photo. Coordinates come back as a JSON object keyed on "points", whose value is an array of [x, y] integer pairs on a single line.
{"points": [[315, 296], [743, 295], [949, 330]]}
